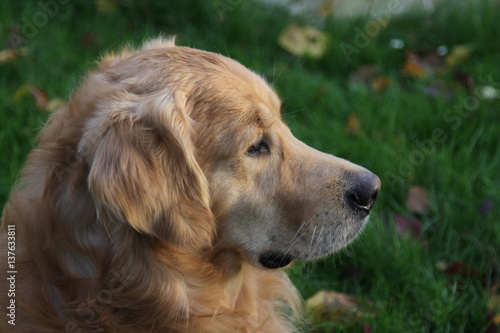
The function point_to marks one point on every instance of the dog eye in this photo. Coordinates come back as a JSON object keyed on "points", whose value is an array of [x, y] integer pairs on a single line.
{"points": [[258, 148]]}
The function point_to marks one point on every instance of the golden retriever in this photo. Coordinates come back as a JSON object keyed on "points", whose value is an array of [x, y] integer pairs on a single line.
{"points": [[165, 197]]}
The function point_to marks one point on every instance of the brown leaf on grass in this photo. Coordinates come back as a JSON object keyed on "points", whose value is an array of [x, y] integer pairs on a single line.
{"points": [[326, 8], [330, 306], [415, 67], [368, 75], [417, 200], [422, 66], [460, 268], [41, 97], [407, 226], [9, 55], [494, 303], [458, 54], [415, 70], [494, 323], [303, 41], [381, 83], [353, 124], [106, 6]]}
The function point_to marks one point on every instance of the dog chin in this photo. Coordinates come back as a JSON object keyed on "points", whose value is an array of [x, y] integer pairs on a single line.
{"points": [[280, 259]]}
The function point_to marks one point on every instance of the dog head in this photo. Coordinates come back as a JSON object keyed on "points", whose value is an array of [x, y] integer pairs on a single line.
{"points": [[189, 147]]}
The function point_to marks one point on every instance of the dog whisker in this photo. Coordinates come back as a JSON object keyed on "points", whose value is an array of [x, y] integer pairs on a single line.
{"points": [[312, 240], [296, 237], [275, 78], [286, 114], [318, 242]]}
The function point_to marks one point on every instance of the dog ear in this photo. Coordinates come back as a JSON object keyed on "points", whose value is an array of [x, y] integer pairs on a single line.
{"points": [[143, 171]]}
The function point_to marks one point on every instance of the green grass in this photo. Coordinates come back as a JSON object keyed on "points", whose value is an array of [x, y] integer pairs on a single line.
{"points": [[396, 274]]}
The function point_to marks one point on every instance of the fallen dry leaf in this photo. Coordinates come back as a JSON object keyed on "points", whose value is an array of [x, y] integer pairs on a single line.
{"points": [[8, 55], [303, 41], [417, 200], [328, 306], [415, 68], [380, 83], [106, 6], [494, 303], [326, 8], [41, 97], [458, 54], [461, 268], [422, 66], [353, 124], [368, 75], [407, 226], [493, 321]]}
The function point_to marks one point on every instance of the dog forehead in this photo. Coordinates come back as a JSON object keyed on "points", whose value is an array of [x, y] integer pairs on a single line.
{"points": [[263, 94], [211, 71]]}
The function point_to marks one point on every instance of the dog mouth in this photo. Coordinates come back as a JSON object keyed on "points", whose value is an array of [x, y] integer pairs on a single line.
{"points": [[273, 260], [315, 245]]}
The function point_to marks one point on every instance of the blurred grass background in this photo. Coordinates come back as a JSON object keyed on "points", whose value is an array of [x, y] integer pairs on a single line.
{"points": [[380, 107]]}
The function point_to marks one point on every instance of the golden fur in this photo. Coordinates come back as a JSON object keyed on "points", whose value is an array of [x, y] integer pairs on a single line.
{"points": [[165, 196]]}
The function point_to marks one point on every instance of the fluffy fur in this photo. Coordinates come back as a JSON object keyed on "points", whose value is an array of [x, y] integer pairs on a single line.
{"points": [[165, 197]]}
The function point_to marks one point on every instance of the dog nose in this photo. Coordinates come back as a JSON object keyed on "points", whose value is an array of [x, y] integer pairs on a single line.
{"points": [[362, 195]]}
